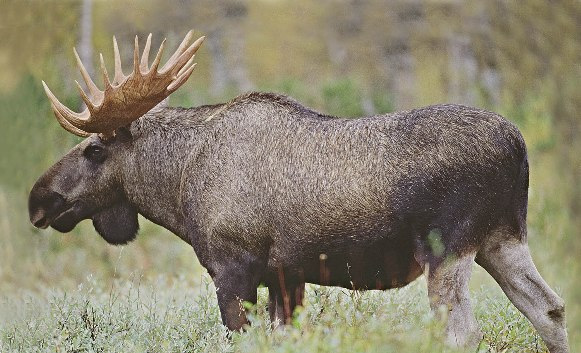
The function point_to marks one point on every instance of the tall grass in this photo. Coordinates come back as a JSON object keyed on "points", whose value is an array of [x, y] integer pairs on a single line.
{"points": [[182, 316]]}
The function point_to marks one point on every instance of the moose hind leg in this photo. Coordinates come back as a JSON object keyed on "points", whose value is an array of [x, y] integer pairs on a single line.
{"points": [[509, 262], [448, 290], [284, 297], [275, 306]]}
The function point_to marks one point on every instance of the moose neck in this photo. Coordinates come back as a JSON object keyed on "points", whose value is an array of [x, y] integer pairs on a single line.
{"points": [[163, 143]]}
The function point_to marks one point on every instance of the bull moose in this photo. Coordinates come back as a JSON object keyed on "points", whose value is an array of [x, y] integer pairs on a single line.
{"points": [[270, 192]]}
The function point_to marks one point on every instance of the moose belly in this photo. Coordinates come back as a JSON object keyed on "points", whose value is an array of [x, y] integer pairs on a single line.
{"points": [[383, 266]]}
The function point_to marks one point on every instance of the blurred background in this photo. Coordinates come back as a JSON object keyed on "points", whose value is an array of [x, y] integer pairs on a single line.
{"points": [[346, 58]]}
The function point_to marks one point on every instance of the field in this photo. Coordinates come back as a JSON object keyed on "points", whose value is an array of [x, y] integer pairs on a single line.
{"points": [[181, 315]]}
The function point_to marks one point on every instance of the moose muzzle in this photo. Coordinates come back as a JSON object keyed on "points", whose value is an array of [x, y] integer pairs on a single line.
{"points": [[44, 206]]}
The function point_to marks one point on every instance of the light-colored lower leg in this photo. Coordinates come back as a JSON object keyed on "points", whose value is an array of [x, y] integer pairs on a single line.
{"points": [[448, 292], [510, 263]]}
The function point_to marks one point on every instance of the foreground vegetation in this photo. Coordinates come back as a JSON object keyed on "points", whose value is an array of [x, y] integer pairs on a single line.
{"points": [[182, 315]]}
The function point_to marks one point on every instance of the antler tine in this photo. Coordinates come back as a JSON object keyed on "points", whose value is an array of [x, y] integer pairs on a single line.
{"points": [[84, 97], [181, 79], [119, 76], [157, 59], [68, 126], [75, 119], [95, 91], [180, 61], [136, 56], [170, 62], [186, 66], [104, 72], [187, 55], [145, 57]]}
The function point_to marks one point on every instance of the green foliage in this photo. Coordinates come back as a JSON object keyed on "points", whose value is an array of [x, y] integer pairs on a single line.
{"points": [[31, 31], [515, 334], [383, 103], [296, 89], [435, 241], [29, 136], [124, 317], [342, 98], [536, 123], [180, 316]]}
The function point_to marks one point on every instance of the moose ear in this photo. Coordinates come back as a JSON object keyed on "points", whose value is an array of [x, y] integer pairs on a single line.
{"points": [[123, 134], [117, 224]]}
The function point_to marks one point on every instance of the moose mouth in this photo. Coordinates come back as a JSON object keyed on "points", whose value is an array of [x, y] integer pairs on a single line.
{"points": [[64, 219], [68, 219]]}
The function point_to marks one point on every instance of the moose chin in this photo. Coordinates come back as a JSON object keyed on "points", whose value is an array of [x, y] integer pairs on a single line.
{"points": [[270, 192]]}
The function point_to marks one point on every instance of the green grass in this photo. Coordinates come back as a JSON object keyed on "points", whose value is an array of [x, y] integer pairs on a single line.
{"points": [[181, 315]]}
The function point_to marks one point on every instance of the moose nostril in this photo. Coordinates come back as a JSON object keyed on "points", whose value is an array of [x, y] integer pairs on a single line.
{"points": [[38, 218], [40, 223], [44, 204]]}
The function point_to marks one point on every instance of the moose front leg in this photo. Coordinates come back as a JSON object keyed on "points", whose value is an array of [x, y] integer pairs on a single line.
{"points": [[235, 283]]}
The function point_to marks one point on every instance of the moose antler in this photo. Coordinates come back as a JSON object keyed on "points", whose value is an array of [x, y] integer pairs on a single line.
{"points": [[128, 97]]}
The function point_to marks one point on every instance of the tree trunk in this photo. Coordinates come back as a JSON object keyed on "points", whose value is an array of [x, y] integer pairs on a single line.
{"points": [[85, 38], [86, 35]]}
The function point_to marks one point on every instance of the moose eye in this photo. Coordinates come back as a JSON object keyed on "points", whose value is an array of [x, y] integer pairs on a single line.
{"points": [[95, 153]]}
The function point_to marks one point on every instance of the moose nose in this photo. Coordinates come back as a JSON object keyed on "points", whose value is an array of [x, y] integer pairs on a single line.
{"points": [[44, 204], [40, 221]]}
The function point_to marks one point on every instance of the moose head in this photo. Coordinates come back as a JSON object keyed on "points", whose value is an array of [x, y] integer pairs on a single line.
{"points": [[85, 183]]}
